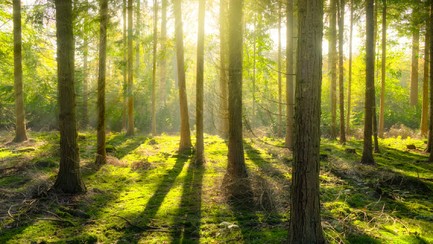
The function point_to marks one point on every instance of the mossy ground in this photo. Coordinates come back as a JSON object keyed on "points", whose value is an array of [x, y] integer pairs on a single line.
{"points": [[147, 193]]}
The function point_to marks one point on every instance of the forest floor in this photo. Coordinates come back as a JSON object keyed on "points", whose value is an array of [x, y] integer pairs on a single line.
{"points": [[147, 193]]}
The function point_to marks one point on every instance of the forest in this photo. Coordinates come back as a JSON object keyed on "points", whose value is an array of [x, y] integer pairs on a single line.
{"points": [[216, 121]]}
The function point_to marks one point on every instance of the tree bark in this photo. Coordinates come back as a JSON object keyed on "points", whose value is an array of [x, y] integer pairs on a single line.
{"points": [[130, 129], [414, 68], [332, 56], [69, 176], [383, 72], [185, 137], [341, 67], [430, 135], [163, 47], [124, 70], [367, 154], [280, 89], [424, 116], [305, 223], [289, 76], [101, 154], [155, 33], [20, 125], [199, 155]]}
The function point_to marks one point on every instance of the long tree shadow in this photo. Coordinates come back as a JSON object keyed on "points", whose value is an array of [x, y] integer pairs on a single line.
{"points": [[254, 155], [143, 220], [120, 145], [188, 217]]}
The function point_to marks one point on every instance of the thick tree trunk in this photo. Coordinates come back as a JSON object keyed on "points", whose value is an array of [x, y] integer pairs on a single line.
{"points": [[305, 223], [332, 56], [20, 125], [341, 67], [289, 76], [367, 154], [236, 170], [101, 154], [155, 34], [199, 155], [185, 137], [430, 135], [414, 68], [383, 76], [223, 79], [69, 176], [424, 116], [130, 129], [280, 89], [349, 83]]}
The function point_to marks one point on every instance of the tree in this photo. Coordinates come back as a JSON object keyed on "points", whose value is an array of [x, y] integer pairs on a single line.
{"points": [[236, 169], [20, 126], [332, 65], [163, 47], [124, 69], [430, 135], [383, 72], [367, 153], [289, 76], [185, 137], [305, 224], [341, 4], [414, 67], [199, 155], [69, 176], [223, 76], [130, 128], [101, 154], [280, 90], [155, 35], [424, 116], [349, 83]]}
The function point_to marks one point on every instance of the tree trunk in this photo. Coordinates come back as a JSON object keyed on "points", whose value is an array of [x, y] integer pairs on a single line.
{"points": [[341, 67], [124, 70], [349, 84], [101, 154], [280, 89], [130, 129], [223, 81], [20, 126], [236, 169], [155, 33], [430, 135], [383, 77], [367, 154], [424, 116], [199, 155], [305, 226], [163, 47], [185, 137], [289, 76], [414, 68], [69, 176], [85, 99], [332, 56]]}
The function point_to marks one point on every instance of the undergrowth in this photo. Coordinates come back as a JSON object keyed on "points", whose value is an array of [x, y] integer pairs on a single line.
{"points": [[148, 193]]}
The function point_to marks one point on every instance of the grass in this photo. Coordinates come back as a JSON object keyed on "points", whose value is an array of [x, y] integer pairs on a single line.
{"points": [[147, 193]]}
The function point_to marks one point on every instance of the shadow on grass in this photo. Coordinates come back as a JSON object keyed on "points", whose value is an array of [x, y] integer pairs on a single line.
{"points": [[254, 155], [188, 218], [142, 222], [121, 145]]}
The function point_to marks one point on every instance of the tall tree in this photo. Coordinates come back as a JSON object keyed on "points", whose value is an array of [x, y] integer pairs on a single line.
{"points": [[130, 129], [69, 176], [383, 72], [125, 69], [414, 67], [349, 83], [85, 89], [185, 136], [101, 154], [199, 155], [424, 116], [280, 89], [236, 169], [223, 79], [155, 38], [289, 76], [305, 224], [332, 59], [430, 135], [367, 154], [20, 125], [341, 6], [163, 47]]}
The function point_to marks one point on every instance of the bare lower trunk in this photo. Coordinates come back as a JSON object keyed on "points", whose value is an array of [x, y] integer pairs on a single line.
{"points": [[155, 32], [289, 76], [414, 69], [349, 83], [280, 89], [424, 116], [341, 68], [332, 65], [383, 77], [199, 155], [223, 81], [130, 129]]}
